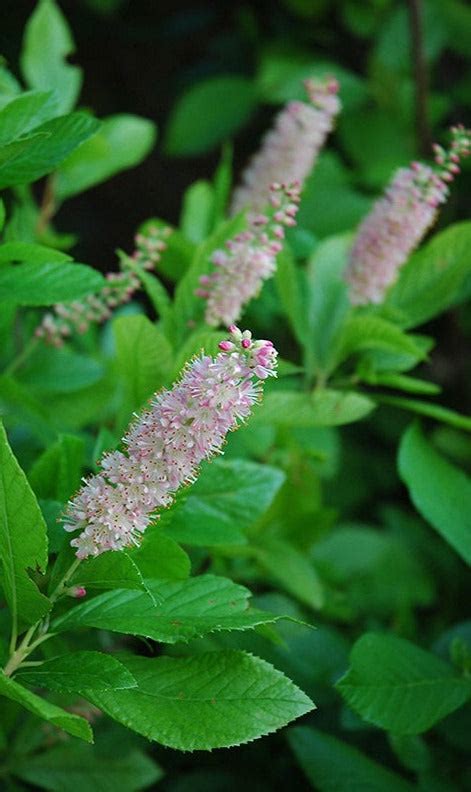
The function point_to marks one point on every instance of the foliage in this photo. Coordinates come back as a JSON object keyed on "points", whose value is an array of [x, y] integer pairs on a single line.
{"points": [[308, 574]]}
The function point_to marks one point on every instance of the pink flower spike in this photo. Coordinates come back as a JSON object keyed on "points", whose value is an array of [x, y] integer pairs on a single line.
{"points": [[226, 346], [164, 447], [246, 343]]}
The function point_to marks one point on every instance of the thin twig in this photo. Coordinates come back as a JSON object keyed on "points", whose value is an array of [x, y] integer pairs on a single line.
{"points": [[422, 125]]}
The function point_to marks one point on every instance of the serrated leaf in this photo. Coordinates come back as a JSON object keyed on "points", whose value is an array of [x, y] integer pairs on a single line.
{"points": [[208, 113], [227, 497], [121, 142], [46, 45], [72, 724], [23, 539], [334, 766], [183, 610], [76, 767], [440, 491], [47, 283], [212, 700], [113, 570], [31, 157], [160, 557], [324, 407], [399, 686], [78, 670]]}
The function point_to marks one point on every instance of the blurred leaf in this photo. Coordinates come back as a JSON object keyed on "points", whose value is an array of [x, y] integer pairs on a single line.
{"points": [[197, 211], [74, 767], [365, 332], [72, 724], [290, 285], [400, 687], [208, 113], [47, 283], [56, 474], [334, 766], [432, 279], [23, 113], [76, 671], [23, 540], [225, 500], [323, 407], [28, 252], [213, 700], [46, 45], [60, 371], [291, 570], [121, 142], [429, 409], [42, 150], [440, 491]]}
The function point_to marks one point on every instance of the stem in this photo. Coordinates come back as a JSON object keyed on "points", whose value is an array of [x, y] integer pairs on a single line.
{"points": [[25, 353], [28, 645], [424, 136]]}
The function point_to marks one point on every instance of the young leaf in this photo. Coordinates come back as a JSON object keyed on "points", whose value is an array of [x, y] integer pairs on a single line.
{"points": [[399, 686], [197, 211], [208, 113], [440, 491], [178, 611], [291, 569], [334, 766], [75, 767], [225, 500], [23, 539], [360, 333], [27, 251], [213, 700], [27, 159], [48, 283], [47, 43], [121, 142], [78, 670], [72, 724]]}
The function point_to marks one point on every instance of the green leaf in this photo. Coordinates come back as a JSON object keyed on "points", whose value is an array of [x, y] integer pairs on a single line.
{"points": [[109, 571], [334, 766], [212, 700], [361, 333], [401, 382], [56, 474], [160, 557], [175, 611], [23, 539], [72, 724], [291, 290], [432, 279], [121, 142], [29, 252], [24, 113], [2, 214], [291, 569], [435, 411], [46, 45], [208, 113], [324, 407], [225, 500], [48, 283], [76, 767], [440, 491], [399, 686], [31, 157], [144, 358], [76, 671], [60, 370]]}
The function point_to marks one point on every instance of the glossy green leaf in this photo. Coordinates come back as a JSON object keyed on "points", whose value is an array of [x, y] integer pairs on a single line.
{"points": [[57, 473], [361, 333], [334, 766], [48, 283], [212, 700], [121, 142], [400, 687], [439, 490], [324, 407], [182, 610], [23, 539], [47, 43], [72, 724], [43, 149], [76, 671], [29, 252], [197, 211], [159, 556], [25, 112]]}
